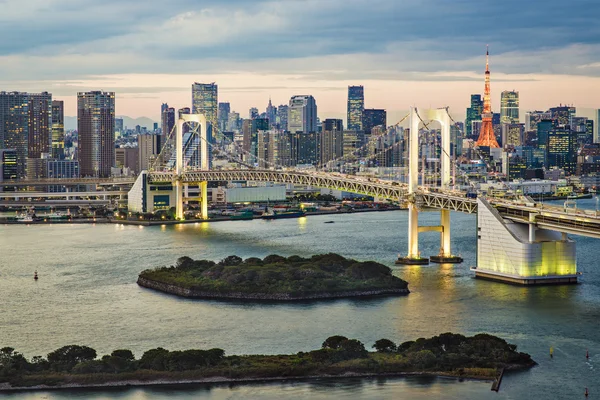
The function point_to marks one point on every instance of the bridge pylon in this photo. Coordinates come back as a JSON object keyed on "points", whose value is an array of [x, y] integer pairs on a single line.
{"points": [[414, 255], [200, 119]]}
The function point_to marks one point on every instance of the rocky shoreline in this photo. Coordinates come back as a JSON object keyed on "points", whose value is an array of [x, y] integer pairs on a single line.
{"points": [[198, 294]]}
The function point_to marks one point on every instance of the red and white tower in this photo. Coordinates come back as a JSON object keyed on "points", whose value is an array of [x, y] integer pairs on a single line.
{"points": [[486, 136]]}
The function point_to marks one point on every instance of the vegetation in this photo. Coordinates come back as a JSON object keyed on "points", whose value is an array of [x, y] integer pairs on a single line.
{"points": [[448, 354], [275, 275]]}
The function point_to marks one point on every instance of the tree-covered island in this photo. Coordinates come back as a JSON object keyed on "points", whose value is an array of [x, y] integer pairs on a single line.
{"points": [[274, 278], [476, 357]]}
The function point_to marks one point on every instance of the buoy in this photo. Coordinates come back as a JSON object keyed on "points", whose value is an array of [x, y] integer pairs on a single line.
{"points": [[551, 352], [587, 355], [586, 392], [35, 275]]}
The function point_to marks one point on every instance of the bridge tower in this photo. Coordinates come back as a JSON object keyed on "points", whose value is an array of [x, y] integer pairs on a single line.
{"points": [[200, 119], [414, 255]]}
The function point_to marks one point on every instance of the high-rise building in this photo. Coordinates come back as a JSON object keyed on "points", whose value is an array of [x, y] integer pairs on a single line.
{"points": [[233, 122], [509, 107], [167, 120], [119, 128], [513, 134], [304, 148], [253, 113], [533, 117], [271, 114], [473, 114], [302, 114], [250, 128], [597, 131], [487, 137], [149, 147], [14, 127], [127, 157], [40, 125], [205, 101], [223, 115], [58, 129], [373, 117], [180, 112], [561, 115], [561, 151], [96, 127], [282, 117], [332, 140], [356, 106]]}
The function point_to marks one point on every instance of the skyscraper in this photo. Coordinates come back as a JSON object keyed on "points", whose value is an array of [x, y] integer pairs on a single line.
{"points": [[96, 127], [373, 117], [487, 137], [282, 117], [356, 106], [302, 114], [332, 140], [271, 112], [40, 124], [205, 101], [14, 127], [561, 115], [561, 151], [167, 120], [58, 129], [509, 107], [223, 116], [473, 114], [180, 112]]}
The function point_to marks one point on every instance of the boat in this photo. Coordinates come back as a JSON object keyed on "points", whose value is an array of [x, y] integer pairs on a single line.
{"points": [[283, 214], [329, 222], [242, 215], [25, 217]]}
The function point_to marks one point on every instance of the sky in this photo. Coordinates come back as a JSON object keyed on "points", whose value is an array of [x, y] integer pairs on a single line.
{"points": [[424, 53]]}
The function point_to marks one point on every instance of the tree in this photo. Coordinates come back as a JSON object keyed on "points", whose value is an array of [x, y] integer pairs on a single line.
{"points": [[385, 346], [65, 358], [352, 348], [184, 262], [231, 261], [155, 359], [124, 354], [334, 342]]}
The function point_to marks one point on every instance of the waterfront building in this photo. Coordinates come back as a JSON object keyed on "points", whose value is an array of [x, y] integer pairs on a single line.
{"points": [[96, 128], [373, 118], [205, 100], [356, 107], [473, 114], [509, 107], [487, 137], [302, 114], [14, 127], [58, 129]]}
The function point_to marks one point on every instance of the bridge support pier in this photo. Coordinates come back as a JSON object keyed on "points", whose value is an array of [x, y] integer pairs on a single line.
{"points": [[179, 200], [445, 256], [204, 196]]}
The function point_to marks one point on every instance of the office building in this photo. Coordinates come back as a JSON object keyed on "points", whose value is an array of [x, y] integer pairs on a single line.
{"points": [[512, 134], [8, 165], [561, 150], [233, 122], [167, 121], [302, 114], [509, 107], [473, 114], [40, 124], [332, 140], [96, 127], [271, 114], [182, 111], [562, 115], [119, 127], [282, 117], [356, 107], [372, 118], [223, 116], [533, 117], [58, 129], [304, 148], [149, 146], [127, 157], [205, 101], [250, 129], [62, 168]]}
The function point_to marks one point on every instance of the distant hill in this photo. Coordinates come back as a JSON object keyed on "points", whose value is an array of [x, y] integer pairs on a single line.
{"points": [[71, 122]]}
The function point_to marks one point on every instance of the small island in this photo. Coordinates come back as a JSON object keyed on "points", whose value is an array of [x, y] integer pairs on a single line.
{"points": [[477, 357], [274, 278]]}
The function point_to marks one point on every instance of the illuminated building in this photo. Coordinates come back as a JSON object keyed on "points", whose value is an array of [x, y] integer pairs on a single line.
{"points": [[96, 128], [8, 165], [561, 150], [356, 107], [509, 107], [473, 114], [332, 140], [58, 129], [372, 118], [487, 137]]}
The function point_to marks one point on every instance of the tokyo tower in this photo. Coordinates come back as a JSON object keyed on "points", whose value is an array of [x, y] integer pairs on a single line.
{"points": [[486, 136]]}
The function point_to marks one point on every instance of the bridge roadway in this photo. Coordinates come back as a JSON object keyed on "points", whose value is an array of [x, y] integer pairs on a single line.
{"points": [[47, 195], [579, 222], [71, 182]]}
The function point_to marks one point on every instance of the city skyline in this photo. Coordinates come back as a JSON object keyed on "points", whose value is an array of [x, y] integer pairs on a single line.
{"points": [[136, 55]]}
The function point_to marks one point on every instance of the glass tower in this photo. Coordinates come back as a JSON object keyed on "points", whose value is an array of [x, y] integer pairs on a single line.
{"points": [[205, 101], [96, 128], [356, 107], [509, 107]]}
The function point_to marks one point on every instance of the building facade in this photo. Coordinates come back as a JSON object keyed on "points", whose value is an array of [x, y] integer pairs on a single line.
{"points": [[509, 107], [58, 129], [356, 107], [96, 128], [473, 114], [14, 127], [205, 100], [302, 114], [374, 117]]}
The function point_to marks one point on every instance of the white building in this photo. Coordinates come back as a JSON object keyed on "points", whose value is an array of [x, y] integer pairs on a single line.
{"points": [[302, 114]]}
